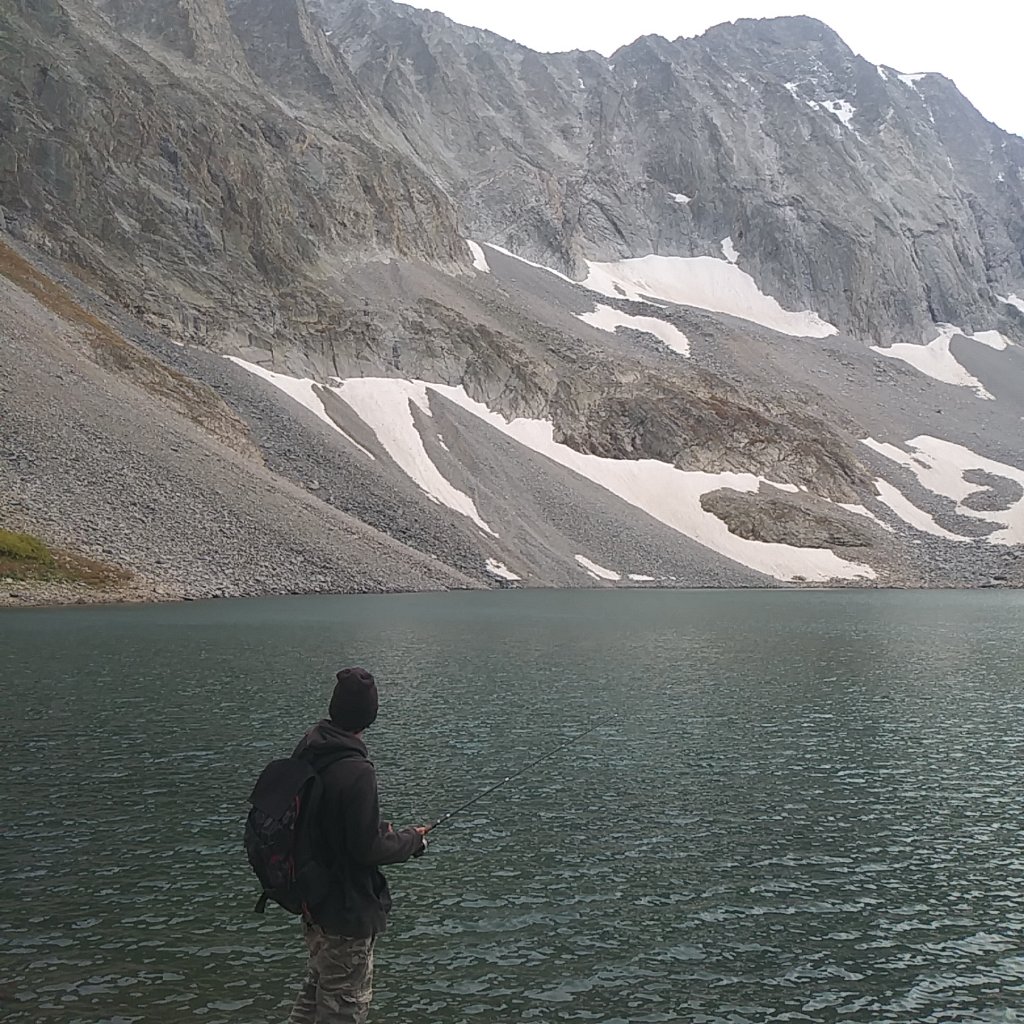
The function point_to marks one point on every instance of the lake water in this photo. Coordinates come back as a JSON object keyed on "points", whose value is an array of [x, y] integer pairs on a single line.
{"points": [[797, 807]]}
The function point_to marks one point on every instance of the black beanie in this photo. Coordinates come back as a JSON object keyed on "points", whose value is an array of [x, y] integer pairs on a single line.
{"points": [[354, 703]]}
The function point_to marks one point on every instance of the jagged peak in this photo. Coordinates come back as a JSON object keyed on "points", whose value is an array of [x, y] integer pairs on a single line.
{"points": [[437, 22], [790, 31], [431, 24], [786, 30], [651, 44]]}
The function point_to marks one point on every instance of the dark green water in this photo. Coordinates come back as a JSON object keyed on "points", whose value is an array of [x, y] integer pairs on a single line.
{"points": [[799, 807]]}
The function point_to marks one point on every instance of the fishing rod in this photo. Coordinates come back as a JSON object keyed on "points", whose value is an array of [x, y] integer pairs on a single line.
{"points": [[510, 778]]}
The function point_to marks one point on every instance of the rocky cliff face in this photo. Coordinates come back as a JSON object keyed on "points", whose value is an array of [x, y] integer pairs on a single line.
{"points": [[766, 229], [203, 165], [885, 202], [250, 145]]}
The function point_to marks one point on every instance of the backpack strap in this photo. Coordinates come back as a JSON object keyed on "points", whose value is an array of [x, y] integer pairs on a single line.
{"points": [[320, 765]]}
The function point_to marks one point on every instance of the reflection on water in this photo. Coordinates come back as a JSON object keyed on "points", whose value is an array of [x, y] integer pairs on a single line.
{"points": [[798, 807]]}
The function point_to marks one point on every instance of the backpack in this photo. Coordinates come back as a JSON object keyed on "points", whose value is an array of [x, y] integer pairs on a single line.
{"points": [[283, 837]]}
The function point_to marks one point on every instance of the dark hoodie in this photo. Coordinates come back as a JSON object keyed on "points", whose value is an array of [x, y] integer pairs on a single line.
{"points": [[357, 841]]}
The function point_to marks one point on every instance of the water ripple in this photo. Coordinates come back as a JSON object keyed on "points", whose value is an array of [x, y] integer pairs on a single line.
{"points": [[800, 808]]}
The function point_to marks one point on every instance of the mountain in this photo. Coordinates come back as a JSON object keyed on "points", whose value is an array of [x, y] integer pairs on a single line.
{"points": [[574, 157], [422, 308]]}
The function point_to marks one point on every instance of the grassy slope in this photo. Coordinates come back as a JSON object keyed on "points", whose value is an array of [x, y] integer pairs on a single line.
{"points": [[26, 558]]}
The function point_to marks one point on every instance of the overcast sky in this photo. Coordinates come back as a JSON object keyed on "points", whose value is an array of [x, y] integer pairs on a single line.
{"points": [[977, 43]]}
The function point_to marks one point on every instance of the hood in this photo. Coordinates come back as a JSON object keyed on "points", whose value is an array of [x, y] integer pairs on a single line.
{"points": [[326, 739]]}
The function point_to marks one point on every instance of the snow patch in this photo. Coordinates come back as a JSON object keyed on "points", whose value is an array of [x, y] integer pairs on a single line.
{"points": [[1012, 300], [860, 510], [940, 467], [636, 578], [383, 404], [993, 339], [501, 571], [935, 359], [729, 250], [705, 283], [699, 281], [606, 318], [682, 199], [479, 257], [843, 110], [911, 81], [910, 513], [301, 390], [882, 73], [670, 495], [597, 571]]}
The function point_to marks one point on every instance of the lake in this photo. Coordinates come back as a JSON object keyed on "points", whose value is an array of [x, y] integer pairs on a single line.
{"points": [[797, 806]]}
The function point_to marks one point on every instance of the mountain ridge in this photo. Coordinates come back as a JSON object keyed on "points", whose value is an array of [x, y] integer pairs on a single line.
{"points": [[584, 218], [782, 292]]}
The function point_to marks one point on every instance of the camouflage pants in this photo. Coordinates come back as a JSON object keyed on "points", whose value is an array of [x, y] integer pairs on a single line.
{"points": [[339, 980]]}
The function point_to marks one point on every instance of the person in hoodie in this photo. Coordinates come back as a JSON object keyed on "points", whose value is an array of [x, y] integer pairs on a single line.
{"points": [[340, 936]]}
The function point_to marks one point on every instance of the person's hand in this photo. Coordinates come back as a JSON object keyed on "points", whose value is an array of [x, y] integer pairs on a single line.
{"points": [[421, 831]]}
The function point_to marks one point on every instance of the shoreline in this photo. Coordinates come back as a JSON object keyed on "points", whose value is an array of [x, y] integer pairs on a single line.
{"points": [[47, 594], [35, 595]]}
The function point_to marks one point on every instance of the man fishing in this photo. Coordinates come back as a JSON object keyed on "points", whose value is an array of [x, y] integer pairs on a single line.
{"points": [[315, 839], [340, 933]]}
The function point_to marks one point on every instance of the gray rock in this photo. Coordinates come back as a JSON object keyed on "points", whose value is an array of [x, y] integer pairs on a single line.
{"points": [[793, 519]]}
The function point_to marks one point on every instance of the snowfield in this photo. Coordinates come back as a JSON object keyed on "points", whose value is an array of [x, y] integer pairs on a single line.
{"points": [[608, 319], [385, 406], [937, 361], [704, 282], [906, 510], [302, 390], [940, 467], [670, 495]]}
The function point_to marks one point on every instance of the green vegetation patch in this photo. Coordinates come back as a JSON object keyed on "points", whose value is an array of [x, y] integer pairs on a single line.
{"points": [[22, 547], [26, 558]]}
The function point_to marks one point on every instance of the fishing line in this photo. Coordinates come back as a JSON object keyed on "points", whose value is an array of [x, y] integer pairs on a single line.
{"points": [[511, 778]]}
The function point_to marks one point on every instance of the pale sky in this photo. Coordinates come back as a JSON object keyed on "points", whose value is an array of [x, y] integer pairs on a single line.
{"points": [[978, 43]]}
